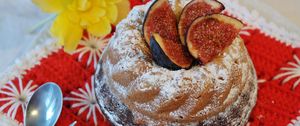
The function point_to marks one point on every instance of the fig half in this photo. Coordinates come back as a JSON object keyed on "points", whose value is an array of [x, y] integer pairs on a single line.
{"points": [[195, 9], [208, 36], [160, 19], [169, 54], [160, 32]]}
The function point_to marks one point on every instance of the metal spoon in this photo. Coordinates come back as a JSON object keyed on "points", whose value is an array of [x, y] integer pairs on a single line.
{"points": [[45, 106]]}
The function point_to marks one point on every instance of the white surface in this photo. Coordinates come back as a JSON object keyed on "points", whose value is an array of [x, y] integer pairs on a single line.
{"points": [[284, 13], [16, 19], [287, 8]]}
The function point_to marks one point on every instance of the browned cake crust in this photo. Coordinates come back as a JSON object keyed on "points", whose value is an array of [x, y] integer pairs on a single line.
{"points": [[132, 90], [119, 114]]}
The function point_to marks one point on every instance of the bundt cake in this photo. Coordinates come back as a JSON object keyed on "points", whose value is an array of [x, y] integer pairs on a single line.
{"points": [[139, 81]]}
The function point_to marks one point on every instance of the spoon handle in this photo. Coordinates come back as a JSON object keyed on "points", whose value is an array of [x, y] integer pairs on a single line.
{"points": [[73, 124]]}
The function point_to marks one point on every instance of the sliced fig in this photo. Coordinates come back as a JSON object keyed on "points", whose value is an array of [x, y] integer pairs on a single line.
{"points": [[160, 19], [160, 32], [208, 36], [169, 54], [195, 9]]}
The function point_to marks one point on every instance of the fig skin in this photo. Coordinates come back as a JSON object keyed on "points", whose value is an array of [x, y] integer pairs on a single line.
{"points": [[194, 10], [206, 38], [159, 57], [159, 54]]}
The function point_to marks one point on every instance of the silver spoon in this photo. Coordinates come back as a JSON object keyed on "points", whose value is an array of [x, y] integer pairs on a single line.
{"points": [[45, 105]]}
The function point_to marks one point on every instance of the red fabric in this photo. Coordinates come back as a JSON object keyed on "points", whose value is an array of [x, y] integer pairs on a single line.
{"points": [[277, 103], [137, 2]]}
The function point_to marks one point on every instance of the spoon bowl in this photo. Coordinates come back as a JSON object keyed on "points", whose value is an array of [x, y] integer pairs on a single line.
{"points": [[45, 105]]}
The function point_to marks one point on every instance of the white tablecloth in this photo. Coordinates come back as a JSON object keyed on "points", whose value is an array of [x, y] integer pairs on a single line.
{"points": [[17, 17]]}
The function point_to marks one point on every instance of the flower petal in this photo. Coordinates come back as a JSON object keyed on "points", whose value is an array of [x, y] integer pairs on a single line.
{"points": [[112, 12], [97, 12], [101, 28], [113, 1], [102, 3], [51, 6], [123, 10], [92, 16], [72, 38], [67, 33], [73, 16]]}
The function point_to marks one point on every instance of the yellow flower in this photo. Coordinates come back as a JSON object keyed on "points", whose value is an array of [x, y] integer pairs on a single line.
{"points": [[74, 16]]}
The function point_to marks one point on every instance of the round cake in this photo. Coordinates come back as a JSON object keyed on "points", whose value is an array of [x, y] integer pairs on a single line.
{"points": [[133, 89]]}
